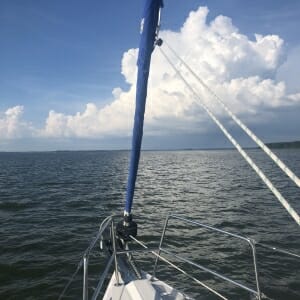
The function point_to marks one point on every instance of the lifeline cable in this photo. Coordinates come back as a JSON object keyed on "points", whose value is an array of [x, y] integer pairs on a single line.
{"points": [[179, 269]]}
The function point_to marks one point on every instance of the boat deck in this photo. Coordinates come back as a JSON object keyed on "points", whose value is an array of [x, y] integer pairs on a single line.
{"points": [[140, 289]]}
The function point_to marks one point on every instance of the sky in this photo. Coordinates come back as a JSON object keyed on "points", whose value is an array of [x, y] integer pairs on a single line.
{"points": [[68, 71]]}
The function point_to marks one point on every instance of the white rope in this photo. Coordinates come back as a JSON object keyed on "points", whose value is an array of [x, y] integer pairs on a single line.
{"points": [[266, 149], [269, 184]]}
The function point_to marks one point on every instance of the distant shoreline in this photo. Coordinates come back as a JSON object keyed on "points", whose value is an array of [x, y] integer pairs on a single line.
{"points": [[276, 145], [284, 145]]}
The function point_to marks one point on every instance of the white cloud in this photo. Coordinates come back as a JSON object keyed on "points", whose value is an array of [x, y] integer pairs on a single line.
{"points": [[129, 69], [113, 119], [289, 71], [12, 125], [240, 70]]}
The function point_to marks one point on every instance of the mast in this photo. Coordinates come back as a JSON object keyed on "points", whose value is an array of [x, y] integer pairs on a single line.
{"points": [[149, 29]]}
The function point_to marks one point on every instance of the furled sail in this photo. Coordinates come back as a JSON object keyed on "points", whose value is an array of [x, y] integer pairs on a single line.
{"points": [[149, 27]]}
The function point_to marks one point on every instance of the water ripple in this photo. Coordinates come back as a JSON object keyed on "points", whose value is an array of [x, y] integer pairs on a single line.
{"points": [[52, 203]]}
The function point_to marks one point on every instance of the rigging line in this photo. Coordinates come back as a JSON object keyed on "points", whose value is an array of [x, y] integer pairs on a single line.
{"points": [[277, 249], [105, 221], [264, 178], [71, 280], [177, 268], [265, 148]]}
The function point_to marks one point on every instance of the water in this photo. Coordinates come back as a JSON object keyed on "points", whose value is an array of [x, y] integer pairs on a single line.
{"points": [[51, 205]]}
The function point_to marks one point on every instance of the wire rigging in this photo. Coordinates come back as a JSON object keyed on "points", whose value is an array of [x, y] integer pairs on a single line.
{"points": [[264, 178], [265, 148]]}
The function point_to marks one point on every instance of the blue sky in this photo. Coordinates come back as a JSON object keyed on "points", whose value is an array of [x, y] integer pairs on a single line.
{"points": [[60, 55]]}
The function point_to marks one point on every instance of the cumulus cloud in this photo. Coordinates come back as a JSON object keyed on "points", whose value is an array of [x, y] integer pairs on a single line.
{"points": [[115, 119], [289, 71], [241, 70], [12, 125]]}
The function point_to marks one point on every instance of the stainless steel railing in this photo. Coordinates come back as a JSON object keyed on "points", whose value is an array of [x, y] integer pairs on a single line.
{"points": [[161, 253], [216, 274], [84, 262]]}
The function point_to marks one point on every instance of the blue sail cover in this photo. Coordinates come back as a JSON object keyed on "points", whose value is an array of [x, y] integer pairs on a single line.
{"points": [[148, 35]]}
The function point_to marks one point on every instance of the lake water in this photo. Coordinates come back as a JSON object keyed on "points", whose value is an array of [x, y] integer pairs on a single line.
{"points": [[52, 203]]}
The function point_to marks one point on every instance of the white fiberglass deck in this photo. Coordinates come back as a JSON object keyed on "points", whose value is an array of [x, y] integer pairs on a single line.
{"points": [[141, 289]]}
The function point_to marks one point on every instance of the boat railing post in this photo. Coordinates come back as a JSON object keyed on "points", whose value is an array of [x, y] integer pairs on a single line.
{"points": [[85, 276], [115, 251], [252, 244], [160, 244]]}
